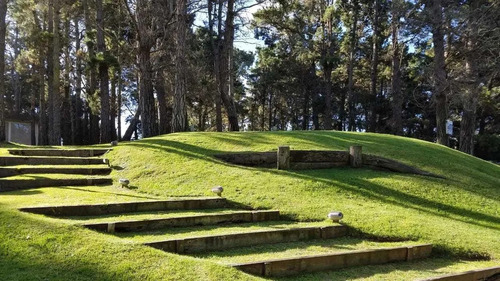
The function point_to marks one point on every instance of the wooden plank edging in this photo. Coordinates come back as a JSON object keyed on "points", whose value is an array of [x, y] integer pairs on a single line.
{"points": [[322, 262], [128, 207], [184, 221], [484, 274], [244, 239]]}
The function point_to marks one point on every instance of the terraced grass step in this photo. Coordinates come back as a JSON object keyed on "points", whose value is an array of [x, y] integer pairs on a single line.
{"points": [[59, 152], [14, 171], [247, 238], [183, 221], [129, 207], [42, 160], [485, 274], [18, 184], [322, 262]]}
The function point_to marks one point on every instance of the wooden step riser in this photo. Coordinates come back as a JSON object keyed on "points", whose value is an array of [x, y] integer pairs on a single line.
{"points": [[9, 172], [295, 266], [15, 161], [128, 207], [12, 185], [486, 274], [222, 242], [59, 152], [143, 225]]}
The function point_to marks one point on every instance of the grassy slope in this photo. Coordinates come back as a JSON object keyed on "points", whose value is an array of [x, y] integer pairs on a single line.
{"points": [[461, 214]]}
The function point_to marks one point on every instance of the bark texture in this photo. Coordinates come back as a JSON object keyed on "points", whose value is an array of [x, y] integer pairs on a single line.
{"points": [[440, 83], [3, 29]]}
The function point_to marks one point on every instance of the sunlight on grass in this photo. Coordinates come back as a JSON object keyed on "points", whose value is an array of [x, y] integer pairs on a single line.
{"points": [[460, 215]]}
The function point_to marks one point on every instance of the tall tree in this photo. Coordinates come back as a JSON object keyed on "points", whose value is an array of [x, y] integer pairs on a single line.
{"points": [[103, 76], [440, 82], [180, 122], [54, 70], [3, 29], [372, 125], [353, 43], [146, 40], [226, 69], [397, 96]]}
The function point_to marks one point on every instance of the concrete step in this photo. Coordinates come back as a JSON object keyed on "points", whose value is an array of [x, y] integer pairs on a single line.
{"points": [[314, 263], [77, 170], [243, 239], [19, 184], [207, 219], [40, 160], [484, 274], [59, 152], [129, 207]]}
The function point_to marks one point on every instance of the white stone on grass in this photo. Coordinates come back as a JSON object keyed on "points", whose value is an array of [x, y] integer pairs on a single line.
{"points": [[218, 190], [124, 182], [335, 216]]}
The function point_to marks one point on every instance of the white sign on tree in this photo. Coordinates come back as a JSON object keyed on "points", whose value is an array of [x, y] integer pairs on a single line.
{"points": [[449, 127]]}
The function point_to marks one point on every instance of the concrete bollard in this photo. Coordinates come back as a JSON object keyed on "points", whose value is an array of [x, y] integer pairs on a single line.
{"points": [[283, 157], [356, 156]]}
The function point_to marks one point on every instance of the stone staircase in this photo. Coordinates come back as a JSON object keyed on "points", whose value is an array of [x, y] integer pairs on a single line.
{"points": [[34, 168], [204, 227]]}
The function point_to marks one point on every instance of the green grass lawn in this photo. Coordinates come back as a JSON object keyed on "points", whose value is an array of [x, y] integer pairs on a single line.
{"points": [[459, 214]]}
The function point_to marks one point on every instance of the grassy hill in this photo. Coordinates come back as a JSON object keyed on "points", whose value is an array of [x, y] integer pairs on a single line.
{"points": [[459, 214]]}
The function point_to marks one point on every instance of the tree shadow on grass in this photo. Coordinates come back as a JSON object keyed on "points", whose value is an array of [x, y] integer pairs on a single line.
{"points": [[429, 266], [20, 192], [359, 185]]}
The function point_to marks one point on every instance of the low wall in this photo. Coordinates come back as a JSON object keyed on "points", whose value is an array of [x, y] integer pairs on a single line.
{"points": [[317, 159]]}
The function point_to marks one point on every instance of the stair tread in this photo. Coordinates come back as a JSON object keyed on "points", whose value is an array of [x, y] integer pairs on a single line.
{"points": [[93, 166], [145, 216], [202, 231], [99, 209], [291, 250], [48, 157], [35, 177]]}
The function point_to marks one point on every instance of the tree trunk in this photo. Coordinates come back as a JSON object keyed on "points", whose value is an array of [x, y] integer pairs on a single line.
{"points": [[147, 100], [374, 68], [55, 101], [77, 113], [180, 122], [305, 110], [103, 77], [119, 106], [397, 97], [43, 126], [16, 80], [133, 126], [148, 106], [112, 113], [217, 49], [93, 126], [226, 69], [440, 83], [328, 99], [67, 107], [350, 68], [165, 118], [3, 30], [471, 96]]}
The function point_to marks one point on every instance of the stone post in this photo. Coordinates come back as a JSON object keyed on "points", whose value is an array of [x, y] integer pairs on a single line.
{"points": [[356, 156], [283, 157]]}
